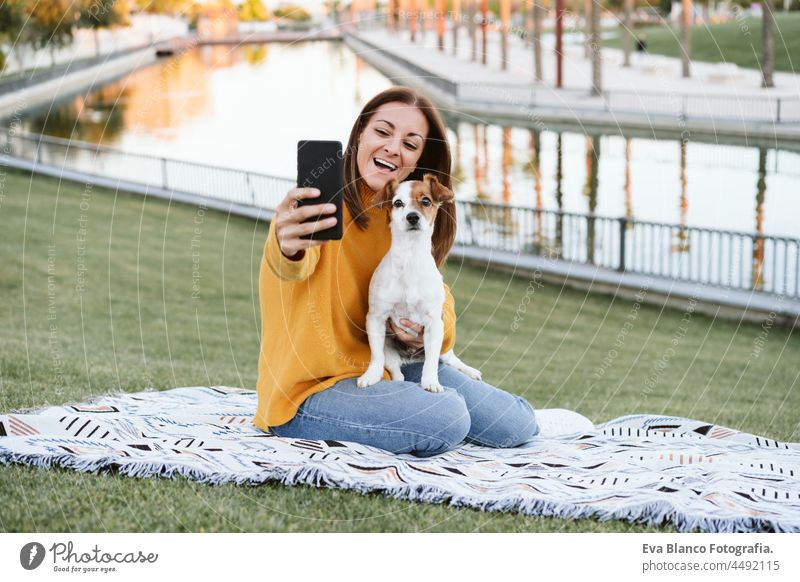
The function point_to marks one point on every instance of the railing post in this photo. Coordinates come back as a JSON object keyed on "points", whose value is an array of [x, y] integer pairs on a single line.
{"points": [[623, 230], [164, 173], [778, 120], [250, 187]]}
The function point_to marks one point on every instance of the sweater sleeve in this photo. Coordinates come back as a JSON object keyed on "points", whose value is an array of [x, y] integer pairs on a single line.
{"points": [[449, 317], [286, 269]]}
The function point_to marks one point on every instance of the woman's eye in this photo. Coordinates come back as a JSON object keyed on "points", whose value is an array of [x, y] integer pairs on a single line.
{"points": [[426, 201], [398, 204], [382, 132], [411, 146]]}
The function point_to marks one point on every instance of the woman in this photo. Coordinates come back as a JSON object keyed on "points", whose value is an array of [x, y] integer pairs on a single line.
{"points": [[314, 301]]}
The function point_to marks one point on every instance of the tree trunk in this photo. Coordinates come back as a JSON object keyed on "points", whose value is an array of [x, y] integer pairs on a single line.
{"points": [[768, 58], [456, 24], [594, 39], [628, 32], [473, 30], [484, 11], [537, 40], [587, 29], [440, 10], [686, 36], [412, 25], [505, 14]]}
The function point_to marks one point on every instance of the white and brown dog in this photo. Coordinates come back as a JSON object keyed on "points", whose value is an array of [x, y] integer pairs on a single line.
{"points": [[407, 284]]}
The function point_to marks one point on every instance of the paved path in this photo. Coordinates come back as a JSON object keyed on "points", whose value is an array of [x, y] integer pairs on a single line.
{"points": [[649, 93]]}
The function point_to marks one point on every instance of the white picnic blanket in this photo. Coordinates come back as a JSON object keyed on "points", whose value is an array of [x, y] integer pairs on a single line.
{"points": [[643, 468]]}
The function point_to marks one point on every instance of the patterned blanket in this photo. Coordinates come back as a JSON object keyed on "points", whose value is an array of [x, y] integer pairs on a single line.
{"points": [[644, 469]]}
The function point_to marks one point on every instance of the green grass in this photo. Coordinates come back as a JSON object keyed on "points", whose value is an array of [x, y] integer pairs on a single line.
{"points": [[136, 324], [736, 41]]}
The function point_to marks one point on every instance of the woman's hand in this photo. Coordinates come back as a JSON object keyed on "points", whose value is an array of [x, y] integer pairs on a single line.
{"points": [[289, 217], [413, 341]]}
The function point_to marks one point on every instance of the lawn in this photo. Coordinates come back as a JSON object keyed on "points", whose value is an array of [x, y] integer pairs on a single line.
{"points": [[738, 41], [143, 318]]}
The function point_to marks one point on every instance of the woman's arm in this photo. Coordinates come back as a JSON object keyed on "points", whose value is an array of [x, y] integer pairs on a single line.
{"points": [[418, 341], [449, 317], [298, 267]]}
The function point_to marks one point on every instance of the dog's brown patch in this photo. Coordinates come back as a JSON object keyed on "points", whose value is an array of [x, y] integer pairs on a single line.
{"points": [[434, 191]]}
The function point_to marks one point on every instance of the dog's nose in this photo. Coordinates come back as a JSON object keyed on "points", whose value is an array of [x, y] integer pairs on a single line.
{"points": [[412, 218]]}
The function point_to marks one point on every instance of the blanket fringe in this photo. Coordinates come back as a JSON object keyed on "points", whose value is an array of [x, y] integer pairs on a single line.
{"points": [[652, 514]]}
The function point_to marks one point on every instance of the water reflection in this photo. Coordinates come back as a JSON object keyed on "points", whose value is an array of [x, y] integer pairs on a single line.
{"points": [[628, 199], [246, 107], [758, 250], [590, 191], [682, 236]]}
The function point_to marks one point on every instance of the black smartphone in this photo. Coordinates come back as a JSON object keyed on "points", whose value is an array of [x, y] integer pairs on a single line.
{"points": [[319, 165]]}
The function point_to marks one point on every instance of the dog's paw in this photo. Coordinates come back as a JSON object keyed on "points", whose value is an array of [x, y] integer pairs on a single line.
{"points": [[432, 385], [369, 378], [398, 376], [472, 373]]}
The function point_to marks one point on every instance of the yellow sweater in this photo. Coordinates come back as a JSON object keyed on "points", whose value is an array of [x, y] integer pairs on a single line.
{"points": [[314, 312]]}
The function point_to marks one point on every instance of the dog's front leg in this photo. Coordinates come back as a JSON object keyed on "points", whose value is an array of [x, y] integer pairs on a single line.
{"points": [[433, 336], [452, 360], [376, 334]]}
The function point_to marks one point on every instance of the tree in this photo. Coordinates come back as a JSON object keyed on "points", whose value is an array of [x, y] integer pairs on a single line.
{"points": [[290, 12], [686, 36], [50, 24], [538, 10], [505, 14], [12, 20], [97, 14], [164, 6], [768, 58], [594, 43], [628, 32], [253, 10]]}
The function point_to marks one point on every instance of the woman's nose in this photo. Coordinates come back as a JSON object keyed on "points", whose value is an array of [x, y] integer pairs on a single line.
{"points": [[392, 147]]}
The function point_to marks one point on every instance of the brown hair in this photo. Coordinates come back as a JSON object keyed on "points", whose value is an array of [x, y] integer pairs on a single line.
{"points": [[435, 159]]}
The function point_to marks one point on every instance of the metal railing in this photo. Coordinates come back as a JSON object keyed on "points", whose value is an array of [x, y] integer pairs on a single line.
{"points": [[723, 258], [729, 259]]}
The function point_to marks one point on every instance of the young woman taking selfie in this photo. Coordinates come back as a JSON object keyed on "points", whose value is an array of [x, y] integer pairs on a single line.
{"points": [[314, 302]]}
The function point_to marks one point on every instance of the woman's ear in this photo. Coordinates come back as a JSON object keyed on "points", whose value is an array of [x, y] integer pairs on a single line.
{"points": [[439, 192]]}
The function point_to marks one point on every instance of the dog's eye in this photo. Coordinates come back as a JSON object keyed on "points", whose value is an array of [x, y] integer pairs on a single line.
{"points": [[426, 201], [398, 204]]}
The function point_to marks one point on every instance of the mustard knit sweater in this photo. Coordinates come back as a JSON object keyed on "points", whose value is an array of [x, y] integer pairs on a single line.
{"points": [[314, 312]]}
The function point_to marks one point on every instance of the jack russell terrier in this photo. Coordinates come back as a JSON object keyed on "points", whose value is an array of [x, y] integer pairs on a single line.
{"points": [[408, 284]]}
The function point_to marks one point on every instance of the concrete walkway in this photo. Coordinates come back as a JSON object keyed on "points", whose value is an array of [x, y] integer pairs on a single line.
{"points": [[649, 94]]}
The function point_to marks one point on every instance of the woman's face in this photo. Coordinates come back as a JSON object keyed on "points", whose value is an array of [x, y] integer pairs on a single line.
{"points": [[396, 134]]}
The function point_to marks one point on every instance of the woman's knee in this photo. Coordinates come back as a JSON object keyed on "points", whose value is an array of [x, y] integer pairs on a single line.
{"points": [[515, 426], [448, 423], [525, 423]]}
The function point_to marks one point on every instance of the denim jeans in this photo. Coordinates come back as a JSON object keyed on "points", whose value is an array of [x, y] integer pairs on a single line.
{"points": [[401, 417]]}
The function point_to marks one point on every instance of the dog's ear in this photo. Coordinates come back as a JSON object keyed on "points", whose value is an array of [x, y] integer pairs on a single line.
{"points": [[383, 199], [440, 193]]}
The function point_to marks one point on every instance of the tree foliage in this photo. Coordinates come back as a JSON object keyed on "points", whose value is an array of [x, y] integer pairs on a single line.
{"points": [[253, 10]]}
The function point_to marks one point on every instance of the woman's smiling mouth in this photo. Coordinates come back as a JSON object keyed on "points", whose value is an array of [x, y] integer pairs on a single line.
{"points": [[384, 167]]}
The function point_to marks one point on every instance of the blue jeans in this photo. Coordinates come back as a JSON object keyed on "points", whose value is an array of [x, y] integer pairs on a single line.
{"points": [[401, 417]]}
